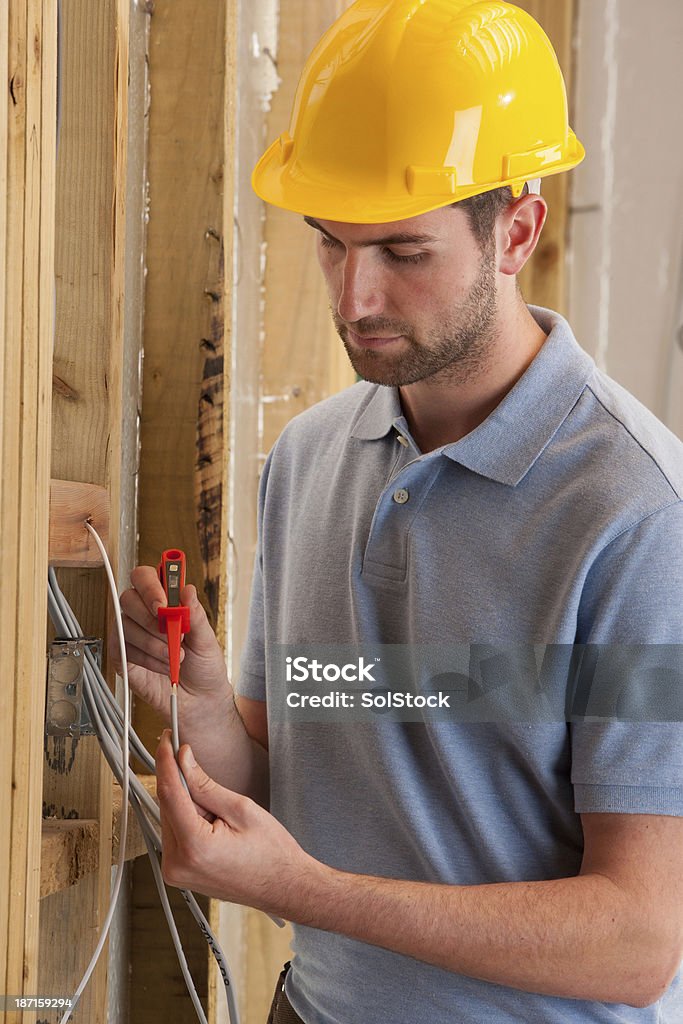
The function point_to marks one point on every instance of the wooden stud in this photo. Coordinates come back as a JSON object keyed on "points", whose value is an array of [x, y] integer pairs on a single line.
{"points": [[303, 358], [70, 847], [183, 465], [543, 280], [71, 504], [69, 851], [28, 61], [90, 240], [184, 440]]}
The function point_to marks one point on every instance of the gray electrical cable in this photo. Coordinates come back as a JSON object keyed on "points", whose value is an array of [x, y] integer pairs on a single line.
{"points": [[125, 787], [175, 732], [107, 720]]}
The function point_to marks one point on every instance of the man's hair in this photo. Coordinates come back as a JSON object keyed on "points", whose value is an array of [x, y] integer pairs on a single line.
{"points": [[482, 211]]}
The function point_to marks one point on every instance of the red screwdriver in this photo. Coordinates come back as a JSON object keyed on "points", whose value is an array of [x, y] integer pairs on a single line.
{"points": [[174, 619]]}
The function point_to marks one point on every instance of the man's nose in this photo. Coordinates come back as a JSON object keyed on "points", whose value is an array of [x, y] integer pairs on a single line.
{"points": [[361, 291]]}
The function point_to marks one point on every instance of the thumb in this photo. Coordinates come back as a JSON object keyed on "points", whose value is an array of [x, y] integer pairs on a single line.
{"points": [[206, 792]]}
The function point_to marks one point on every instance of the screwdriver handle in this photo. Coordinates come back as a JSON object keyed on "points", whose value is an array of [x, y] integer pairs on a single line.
{"points": [[172, 575], [174, 619]]}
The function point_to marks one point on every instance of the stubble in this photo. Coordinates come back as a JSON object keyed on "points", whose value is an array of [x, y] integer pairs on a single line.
{"points": [[457, 351]]}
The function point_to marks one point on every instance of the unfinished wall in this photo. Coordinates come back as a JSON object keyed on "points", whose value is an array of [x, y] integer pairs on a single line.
{"points": [[62, 224], [133, 319], [626, 274], [28, 70], [183, 462]]}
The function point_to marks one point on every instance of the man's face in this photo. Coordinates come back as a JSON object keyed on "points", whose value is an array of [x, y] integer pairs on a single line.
{"points": [[412, 299]]}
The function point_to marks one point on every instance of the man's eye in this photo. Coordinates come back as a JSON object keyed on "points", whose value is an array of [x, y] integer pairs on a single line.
{"points": [[394, 257]]}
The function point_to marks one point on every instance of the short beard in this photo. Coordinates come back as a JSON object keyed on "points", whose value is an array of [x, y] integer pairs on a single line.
{"points": [[455, 352]]}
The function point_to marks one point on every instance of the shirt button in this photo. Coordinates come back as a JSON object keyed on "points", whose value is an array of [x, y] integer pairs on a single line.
{"points": [[401, 496], [401, 440]]}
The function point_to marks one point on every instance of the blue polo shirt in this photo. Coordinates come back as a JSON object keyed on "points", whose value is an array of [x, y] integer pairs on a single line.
{"points": [[558, 520]]}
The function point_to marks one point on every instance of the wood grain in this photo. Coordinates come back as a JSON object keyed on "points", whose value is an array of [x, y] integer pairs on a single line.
{"points": [[28, 62], [86, 424], [71, 504], [70, 848], [544, 280], [303, 358], [184, 435]]}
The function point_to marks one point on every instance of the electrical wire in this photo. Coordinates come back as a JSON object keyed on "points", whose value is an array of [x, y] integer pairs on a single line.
{"points": [[125, 789], [117, 738], [175, 734], [94, 688]]}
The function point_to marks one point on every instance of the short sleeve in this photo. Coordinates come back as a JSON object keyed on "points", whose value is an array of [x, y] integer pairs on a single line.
{"points": [[633, 595]]}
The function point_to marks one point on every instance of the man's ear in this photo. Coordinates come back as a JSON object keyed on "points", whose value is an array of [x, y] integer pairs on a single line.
{"points": [[518, 229]]}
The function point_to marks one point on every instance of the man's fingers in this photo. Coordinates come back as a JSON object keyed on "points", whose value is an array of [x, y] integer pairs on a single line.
{"points": [[168, 839], [140, 604], [135, 609], [177, 808], [221, 802], [145, 582], [155, 645]]}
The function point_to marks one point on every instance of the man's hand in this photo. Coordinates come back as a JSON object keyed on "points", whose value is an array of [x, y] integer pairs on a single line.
{"points": [[202, 673], [224, 845], [584, 937]]}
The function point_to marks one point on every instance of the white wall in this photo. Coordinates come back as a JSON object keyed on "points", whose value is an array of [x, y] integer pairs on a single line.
{"points": [[626, 264]]}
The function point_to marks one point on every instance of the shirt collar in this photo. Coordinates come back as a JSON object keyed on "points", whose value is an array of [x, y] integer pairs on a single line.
{"points": [[505, 446]]}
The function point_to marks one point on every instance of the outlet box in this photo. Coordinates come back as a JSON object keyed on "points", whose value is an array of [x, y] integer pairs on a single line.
{"points": [[65, 710]]}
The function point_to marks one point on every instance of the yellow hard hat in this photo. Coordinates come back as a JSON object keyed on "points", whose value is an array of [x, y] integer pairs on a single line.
{"points": [[405, 106]]}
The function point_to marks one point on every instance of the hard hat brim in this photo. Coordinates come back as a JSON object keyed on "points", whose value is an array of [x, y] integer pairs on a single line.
{"points": [[273, 182]]}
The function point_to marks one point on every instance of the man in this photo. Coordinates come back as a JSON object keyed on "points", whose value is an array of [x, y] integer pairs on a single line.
{"points": [[483, 485]]}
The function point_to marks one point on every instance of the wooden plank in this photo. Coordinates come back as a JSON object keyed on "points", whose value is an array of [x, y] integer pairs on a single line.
{"points": [[183, 463], [11, 180], [301, 356], [184, 440], [215, 988], [71, 504], [87, 427], [543, 280], [42, 40], [70, 848], [27, 145], [17, 840], [135, 844]]}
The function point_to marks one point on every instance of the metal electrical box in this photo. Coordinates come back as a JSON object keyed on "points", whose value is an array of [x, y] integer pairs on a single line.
{"points": [[66, 713]]}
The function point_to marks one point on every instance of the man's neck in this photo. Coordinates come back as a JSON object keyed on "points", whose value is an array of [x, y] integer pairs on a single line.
{"points": [[440, 411]]}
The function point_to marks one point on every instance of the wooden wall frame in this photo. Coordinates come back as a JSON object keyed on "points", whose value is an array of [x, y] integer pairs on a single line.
{"points": [[185, 403], [544, 280], [28, 68]]}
